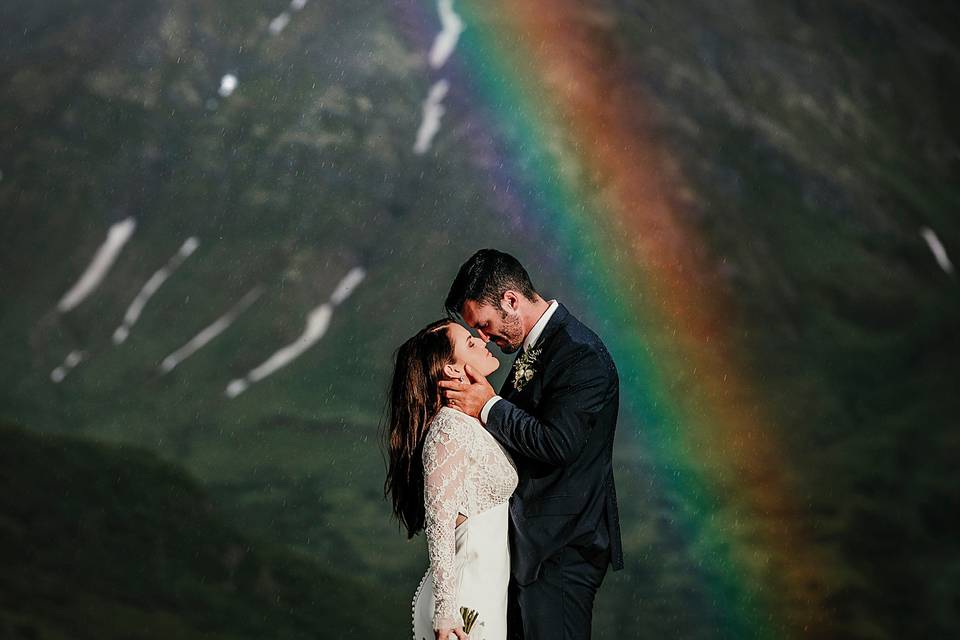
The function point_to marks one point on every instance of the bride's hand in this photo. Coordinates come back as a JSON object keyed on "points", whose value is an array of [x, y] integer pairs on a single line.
{"points": [[451, 634]]}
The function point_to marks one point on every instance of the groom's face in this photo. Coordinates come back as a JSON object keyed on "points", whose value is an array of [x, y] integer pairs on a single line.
{"points": [[501, 325]]}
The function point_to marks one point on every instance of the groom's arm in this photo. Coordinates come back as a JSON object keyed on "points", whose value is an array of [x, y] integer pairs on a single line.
{"points": [[566, 414]]}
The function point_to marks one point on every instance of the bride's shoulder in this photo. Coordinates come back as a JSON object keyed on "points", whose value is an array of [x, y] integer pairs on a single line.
{"points": [[448, 423]]}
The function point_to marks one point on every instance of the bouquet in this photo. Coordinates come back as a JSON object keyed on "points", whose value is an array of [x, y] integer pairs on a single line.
{"points": [[469, 619]]}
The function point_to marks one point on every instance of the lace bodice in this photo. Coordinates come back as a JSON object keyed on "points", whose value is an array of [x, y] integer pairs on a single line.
{"points": [[465, 470]]}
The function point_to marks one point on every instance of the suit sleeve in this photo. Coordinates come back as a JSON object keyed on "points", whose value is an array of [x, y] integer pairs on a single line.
{"points": [[566, 413]]}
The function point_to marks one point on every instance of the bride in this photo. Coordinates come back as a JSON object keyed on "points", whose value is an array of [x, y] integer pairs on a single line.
{"points": [[449, 477]]}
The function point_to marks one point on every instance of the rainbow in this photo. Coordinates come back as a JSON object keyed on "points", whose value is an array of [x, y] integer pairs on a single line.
{"points": [[580, 169]]}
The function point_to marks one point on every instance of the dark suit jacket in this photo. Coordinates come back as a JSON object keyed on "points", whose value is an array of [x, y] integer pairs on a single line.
{"points": [[559, 429]]}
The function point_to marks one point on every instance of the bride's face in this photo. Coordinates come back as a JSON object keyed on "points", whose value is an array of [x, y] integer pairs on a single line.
{"points": [[468, 349]]}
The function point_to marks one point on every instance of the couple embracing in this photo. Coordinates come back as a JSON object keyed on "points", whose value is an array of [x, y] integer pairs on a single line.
{"points": [[515, 490]]}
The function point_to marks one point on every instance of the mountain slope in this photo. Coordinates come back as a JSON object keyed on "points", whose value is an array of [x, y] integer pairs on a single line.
{"points": [[814, 143], [101, 541]]}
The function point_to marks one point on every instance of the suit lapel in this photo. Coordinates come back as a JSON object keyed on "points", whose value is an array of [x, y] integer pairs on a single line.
{"points": [[507, 390], [557, 320]]}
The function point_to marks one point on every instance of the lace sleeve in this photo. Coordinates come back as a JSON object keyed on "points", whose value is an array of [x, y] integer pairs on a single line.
{"points": [[444, 472]]}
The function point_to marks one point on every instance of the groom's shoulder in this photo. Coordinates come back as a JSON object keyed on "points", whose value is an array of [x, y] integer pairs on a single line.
{"points": [[580, 335], [581, 339]]}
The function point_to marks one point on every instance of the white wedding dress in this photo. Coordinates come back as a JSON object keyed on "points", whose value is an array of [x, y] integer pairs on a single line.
{"points": [[465, 471]]}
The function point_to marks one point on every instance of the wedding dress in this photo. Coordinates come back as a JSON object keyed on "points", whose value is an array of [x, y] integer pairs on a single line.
{"points": [[465, 471]]}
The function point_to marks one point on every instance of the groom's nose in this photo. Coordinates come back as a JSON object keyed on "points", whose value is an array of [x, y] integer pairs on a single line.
{"points": [[483, 336]]}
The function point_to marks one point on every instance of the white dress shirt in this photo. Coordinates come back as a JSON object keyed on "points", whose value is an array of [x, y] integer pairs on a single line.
{"points": [[530, 340]]}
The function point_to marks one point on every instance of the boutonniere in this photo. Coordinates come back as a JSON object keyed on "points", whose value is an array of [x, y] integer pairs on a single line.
{"points": [[523, 369]]}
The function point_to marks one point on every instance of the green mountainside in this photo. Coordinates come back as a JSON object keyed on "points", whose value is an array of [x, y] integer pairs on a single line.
{"points": [[816, 141], [101, 541]]}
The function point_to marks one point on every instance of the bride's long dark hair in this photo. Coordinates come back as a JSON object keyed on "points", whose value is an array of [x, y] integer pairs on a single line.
{"points": [[414, 401]]}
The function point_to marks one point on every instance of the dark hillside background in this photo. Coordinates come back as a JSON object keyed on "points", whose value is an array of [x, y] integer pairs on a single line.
{"points": [[819, 149]]}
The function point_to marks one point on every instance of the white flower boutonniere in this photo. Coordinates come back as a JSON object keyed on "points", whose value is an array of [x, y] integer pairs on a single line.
{"points": [[523, 369]]}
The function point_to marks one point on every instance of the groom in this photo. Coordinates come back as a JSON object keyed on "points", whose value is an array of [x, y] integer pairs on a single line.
{"points": [[556, 414]]}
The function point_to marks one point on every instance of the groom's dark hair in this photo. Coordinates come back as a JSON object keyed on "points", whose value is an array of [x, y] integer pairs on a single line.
{"points": [[485, 277]]}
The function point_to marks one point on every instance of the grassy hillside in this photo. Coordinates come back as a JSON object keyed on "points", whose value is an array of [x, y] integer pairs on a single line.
{"points": [[103, 541], [814, 141]]}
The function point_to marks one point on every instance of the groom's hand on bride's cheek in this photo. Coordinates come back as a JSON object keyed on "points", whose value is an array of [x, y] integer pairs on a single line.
{"points": [[468, 396]]}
